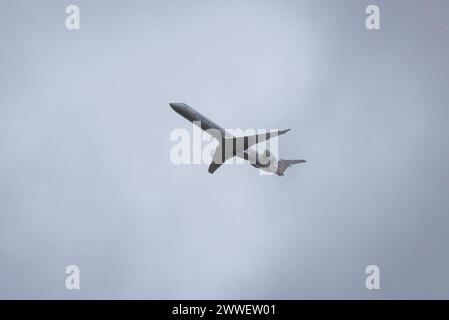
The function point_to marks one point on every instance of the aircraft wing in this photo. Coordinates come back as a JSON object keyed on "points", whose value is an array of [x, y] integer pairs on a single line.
{"points": [[223, 152], [230, 147], [245, 142]]}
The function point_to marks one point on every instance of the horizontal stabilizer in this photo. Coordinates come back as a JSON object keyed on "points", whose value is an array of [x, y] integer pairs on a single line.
{"points": [[284, 164]]}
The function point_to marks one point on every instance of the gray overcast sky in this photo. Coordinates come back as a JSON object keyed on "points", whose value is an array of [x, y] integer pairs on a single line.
{"points": [[86, 178]]}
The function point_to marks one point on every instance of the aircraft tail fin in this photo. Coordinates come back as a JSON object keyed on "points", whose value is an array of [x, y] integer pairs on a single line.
{"points": [[284, 164]]}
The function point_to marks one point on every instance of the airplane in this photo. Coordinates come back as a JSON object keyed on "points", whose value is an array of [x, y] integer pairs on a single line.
{"points": [[230, 146]]}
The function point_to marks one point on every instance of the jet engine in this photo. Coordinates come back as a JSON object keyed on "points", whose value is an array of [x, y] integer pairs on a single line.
{"points": [[266, 158]]}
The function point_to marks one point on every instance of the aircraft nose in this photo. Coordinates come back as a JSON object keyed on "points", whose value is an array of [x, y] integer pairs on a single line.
{"points": [[175, 106]]}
